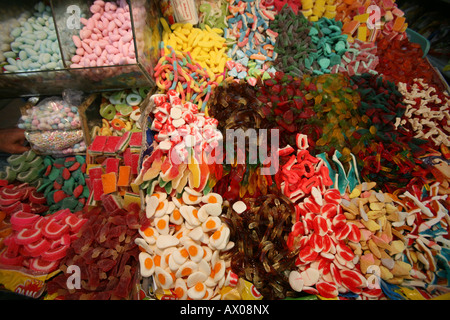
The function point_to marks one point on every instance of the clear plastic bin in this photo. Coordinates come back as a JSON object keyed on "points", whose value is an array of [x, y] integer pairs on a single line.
{"points": [[146, 35]]}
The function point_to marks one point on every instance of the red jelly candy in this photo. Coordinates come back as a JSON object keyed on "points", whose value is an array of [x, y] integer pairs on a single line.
{"points": [[74, 223], [43, 266], [35, 249], [54, 254], [27, 236], [106, 264], [59, 195], [10, 260], [54, 230], [74, 167], [78, 191], [61, 214], [327, 289], [23, 219]]}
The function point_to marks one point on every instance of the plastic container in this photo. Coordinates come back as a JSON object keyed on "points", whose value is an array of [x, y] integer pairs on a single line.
{"points": [[419, 39], [144, 16]]}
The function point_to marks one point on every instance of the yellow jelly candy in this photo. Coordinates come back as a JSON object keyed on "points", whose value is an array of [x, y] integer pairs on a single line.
{"points": [[194, 168]]}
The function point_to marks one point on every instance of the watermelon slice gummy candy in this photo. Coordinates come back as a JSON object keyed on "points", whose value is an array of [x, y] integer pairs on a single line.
{"points": [[43, 266], [27, 236], [11, 193], [54, 254], [35, 249], [54, 230], [74, 223], [23, 219], [6, 259]]}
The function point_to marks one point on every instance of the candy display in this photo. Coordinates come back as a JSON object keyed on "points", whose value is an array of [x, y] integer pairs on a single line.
{"points": [[287, 150], [38, 243], [105, 252]]}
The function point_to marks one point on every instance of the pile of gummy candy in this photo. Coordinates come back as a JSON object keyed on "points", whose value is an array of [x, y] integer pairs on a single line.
{"points": [[338, 190]]}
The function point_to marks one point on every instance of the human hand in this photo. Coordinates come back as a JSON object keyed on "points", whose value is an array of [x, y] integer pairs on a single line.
{"points": [[12, 140]]}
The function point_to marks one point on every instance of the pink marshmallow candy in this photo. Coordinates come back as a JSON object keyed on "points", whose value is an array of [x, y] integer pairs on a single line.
{"points": [[106, 38]]}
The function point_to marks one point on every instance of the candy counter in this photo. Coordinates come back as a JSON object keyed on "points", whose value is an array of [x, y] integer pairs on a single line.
{"points": [[280, 150]]}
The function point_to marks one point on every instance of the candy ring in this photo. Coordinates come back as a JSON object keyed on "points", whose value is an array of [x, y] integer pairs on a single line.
{"points": [[128, 126], [118, 98], [108, 112], [95, 132], [136, 115], [133, 99], [124, 109], [143, 92], [105, 132], [105, 124], [117, 124]]}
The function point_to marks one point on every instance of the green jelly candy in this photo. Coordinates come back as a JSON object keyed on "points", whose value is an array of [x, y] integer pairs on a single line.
{"points": [[78, 207], [54, 207], [49, 197], [325, 31], [36, 162], [79, 177], [162, 183], [81, 180], [30, 155], [10, 174], [324, 63], [80, 159], [69, 203], [313, 32], [45, 183], [28, 176], [55, 173], [85, 193], [48, 161], [340, 46], [59, 161], [335, 59], [68, 186], [168, 187], [37, 183], [68, 164], [15, 159]]}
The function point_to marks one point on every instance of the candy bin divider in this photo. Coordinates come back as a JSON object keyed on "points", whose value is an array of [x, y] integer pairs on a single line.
{"points": [[149, 33], [84, 123], [146, 109]]}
